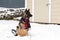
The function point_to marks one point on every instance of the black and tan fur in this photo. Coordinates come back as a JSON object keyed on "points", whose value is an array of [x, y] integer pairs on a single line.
{"points": [[21, 30]]}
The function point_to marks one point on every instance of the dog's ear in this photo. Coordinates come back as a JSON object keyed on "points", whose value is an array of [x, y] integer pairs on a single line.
{"points": [[26, 10], [28, 13]]}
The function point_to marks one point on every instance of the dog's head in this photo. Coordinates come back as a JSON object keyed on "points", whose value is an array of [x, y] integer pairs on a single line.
{"points": [[28, 14]]}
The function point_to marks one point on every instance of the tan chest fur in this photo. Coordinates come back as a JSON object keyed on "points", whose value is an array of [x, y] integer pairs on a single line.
{"points": [[22, 32]]}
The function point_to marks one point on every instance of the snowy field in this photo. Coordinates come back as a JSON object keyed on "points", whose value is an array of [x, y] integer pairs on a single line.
{"points": [[37, 31]]}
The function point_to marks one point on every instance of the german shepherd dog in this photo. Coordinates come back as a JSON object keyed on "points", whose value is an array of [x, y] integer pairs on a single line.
{"points": [[24, 24], [25, 19]]}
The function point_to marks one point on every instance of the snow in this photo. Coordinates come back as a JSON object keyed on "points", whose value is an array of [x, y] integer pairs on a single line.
{"points": [[37, 31]]}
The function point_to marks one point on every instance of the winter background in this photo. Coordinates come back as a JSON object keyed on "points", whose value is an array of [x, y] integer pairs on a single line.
{"points": [[37, 31]]}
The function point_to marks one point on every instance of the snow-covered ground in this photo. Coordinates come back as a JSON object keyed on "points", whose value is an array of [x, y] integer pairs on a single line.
{"points": [[37, 31]]}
